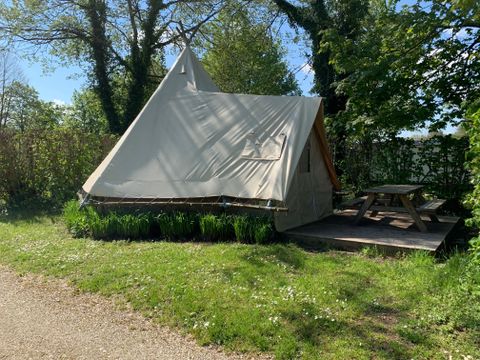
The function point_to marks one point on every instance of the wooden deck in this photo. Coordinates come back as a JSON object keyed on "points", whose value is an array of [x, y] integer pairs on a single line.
{"points": [[390, 231]]}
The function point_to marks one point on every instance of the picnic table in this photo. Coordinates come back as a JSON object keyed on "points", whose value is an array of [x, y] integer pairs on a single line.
{"points": [[402, 192]]}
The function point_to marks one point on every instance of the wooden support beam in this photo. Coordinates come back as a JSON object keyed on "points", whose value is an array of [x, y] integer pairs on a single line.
{"points": [[319, 130]]}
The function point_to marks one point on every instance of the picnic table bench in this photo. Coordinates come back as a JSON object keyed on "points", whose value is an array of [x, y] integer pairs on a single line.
{"points": [[372, 200]]}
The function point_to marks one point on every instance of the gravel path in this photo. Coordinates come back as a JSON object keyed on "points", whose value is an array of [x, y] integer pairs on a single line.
{"points": [[42, 318]]}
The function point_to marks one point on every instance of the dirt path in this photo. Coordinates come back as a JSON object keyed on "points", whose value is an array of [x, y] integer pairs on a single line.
{"points": [[45, 319]]}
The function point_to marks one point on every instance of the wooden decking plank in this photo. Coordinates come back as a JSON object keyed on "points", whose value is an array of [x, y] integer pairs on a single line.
{"points": [[399, 232]]}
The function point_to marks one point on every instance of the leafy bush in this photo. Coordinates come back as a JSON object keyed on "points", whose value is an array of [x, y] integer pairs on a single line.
{"points": [[134, 226], [437, 162], [475, 251], [473, 199], [88, 222], [185, 224], [47, 167], [75, 220]]}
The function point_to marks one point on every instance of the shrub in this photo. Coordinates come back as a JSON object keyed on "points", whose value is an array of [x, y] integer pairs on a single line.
{"points": [[473, 199], [475, 251], [437, 162], [225, 227], [98, 226], [185, 224], [145, 225], [263, 231], [209, 226], [242, 226], [47, 167], [71, 213], [216, 227], [113, 225], [75, 219], [130, 227], [177, 225], [172, 225]]}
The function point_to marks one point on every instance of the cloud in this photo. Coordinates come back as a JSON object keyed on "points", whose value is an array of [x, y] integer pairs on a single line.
{"points": [[59, 102], [306, 68]]}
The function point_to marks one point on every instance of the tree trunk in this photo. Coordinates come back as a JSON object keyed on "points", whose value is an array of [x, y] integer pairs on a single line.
{"points": [[141, 55], [96, 13]]}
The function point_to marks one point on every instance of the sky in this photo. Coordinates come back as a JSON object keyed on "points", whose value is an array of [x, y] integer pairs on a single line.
{"points": [[57, 86]]}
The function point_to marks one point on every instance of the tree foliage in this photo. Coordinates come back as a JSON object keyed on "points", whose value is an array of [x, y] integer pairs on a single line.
{"points": [[315, 17], [409, 67], [47, 167], [113, 40], [473, 200], [23, 109], [86, 113], [242, 57], [10, 73]]}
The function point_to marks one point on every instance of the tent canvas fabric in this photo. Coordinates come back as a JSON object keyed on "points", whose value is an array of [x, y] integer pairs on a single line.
{"points": [[192, 141]]}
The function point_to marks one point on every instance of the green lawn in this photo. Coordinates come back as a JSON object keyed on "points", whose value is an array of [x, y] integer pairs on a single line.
{"points": [[278, 298]]}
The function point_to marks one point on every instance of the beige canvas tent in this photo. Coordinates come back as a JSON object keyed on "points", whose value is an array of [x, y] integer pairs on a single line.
{"points": [[192, 144]]}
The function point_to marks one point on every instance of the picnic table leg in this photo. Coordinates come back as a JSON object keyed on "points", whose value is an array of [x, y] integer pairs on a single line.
{"points": [[392, 197], [366, 205], [413, 213]]}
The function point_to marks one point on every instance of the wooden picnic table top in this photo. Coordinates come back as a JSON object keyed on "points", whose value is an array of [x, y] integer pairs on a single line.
{"points": [[394, 189]]}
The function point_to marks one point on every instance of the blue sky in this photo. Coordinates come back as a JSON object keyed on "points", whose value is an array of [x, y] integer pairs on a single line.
{"points": [[52, 86]]}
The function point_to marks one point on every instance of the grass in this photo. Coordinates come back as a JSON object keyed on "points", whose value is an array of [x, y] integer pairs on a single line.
{"points": [[275, 298]]}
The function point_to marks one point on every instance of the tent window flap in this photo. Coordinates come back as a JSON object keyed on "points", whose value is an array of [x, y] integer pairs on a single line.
{"points": [[269, 149]]}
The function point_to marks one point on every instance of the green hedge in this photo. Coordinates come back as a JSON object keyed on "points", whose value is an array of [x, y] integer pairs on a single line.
{"points": [[47, 167], [169, 225], [473, 199], [438, 162]]}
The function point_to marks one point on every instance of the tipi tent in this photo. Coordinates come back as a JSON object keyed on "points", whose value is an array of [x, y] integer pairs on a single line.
{"points": [[192, 144]]}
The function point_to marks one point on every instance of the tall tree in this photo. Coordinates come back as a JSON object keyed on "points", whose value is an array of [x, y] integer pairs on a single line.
{"points": [[9, 74], [110, 38], [409, 67], [86, 113], [27, 111], [242, 57], [316, 17]]}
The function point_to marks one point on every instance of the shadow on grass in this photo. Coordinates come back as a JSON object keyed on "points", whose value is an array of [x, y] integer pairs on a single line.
{"points": [[287, 254], [29, 215], [368, 333]]}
